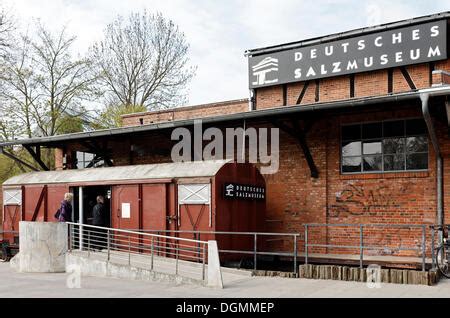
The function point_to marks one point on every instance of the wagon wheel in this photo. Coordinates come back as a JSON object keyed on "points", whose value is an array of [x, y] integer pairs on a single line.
{"points": [[442, 261], [246, 263], [5, 257], [5, 253]]}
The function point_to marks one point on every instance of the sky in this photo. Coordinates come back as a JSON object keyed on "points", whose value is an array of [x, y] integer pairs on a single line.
{"points": [[220, 31]]}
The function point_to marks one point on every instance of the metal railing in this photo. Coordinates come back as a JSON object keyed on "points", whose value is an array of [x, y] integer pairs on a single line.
{"points": [[359, 230], [155, 252], [255, 237]]}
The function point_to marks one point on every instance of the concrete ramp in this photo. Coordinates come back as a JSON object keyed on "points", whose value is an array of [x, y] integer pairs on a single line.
{"points": [[139, 267]]}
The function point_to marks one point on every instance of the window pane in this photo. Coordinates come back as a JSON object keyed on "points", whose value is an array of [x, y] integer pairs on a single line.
{"points": [[394, 162], [351, 164], [372, 131], [351, 132], [88, 156], [372, 147], [394, 129], [351, 148], [417, 162], [372, 163], [416, 127], [394, 145], [417, 144], [80, 156]]}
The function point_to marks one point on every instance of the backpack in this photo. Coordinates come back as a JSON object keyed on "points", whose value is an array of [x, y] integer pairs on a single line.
{"points": [[57, 214]]}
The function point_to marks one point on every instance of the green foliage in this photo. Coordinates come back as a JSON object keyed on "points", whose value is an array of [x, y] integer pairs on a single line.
{"points": [[70, 124], [10, 168], [111, 117]]}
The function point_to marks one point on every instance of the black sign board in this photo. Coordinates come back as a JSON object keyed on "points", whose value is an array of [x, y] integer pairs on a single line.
{"points": [[243, 192], [398, 47]]}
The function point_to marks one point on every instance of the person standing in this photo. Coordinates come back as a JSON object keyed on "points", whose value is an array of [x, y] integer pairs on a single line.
{"points": [[64, 214], [98, 219], [98, 212]]}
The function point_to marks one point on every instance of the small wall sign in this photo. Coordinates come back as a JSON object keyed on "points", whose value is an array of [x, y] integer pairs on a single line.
{"points": [[244, 192]]}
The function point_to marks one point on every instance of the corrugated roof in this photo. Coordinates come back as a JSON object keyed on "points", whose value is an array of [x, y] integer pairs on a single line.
{"points": [[123, 173], [255, 114], [262, 114]]}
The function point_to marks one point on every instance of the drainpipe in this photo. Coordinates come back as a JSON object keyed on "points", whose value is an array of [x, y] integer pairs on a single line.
{"points": [[251, 100], [425, 97]]}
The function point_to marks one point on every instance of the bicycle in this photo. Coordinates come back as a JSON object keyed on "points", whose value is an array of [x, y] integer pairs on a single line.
{"points": [[442, 255]]}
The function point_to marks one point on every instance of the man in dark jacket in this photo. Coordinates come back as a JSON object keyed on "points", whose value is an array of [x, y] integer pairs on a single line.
{"points": [[98, 212], [98, 219]]}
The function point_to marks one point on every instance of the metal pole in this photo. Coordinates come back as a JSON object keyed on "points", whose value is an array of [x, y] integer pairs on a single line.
{"points": [[70, 237], [433, 265], [89, 243], [204, 261], [295, 254], [306, 244], [361, 246], [424, 247], [80, 216], [176, 264], [109, 244], [151, 266], [129, 251], [255, 251]]}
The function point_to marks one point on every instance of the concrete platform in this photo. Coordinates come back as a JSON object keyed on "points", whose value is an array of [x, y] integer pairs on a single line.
{"points": [[25, 285], [140, 265]]}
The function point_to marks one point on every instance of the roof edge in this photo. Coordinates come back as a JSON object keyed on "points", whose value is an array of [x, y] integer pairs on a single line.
{"points": [[188, 107], [347, 34], [263, 113]]}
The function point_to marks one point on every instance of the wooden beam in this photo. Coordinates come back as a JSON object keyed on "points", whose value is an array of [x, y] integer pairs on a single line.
{"points": [[408, 78], [100, 152], [37, 157], [39, 203], [285, 93], [352, 85], [317, 98], [304, 145], [17, 159], [432, 67], [390, 81], [303, 92], [300, 135], [23, 203]]}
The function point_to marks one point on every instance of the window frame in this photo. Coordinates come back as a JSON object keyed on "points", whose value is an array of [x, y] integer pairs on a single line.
{"points": [[382, 154], [82, 164]]}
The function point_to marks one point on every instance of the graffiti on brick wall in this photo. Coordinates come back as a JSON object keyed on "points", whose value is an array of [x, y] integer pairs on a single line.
{"points": [[355, 200]]}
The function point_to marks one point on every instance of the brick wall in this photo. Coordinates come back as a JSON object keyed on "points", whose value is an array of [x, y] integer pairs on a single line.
{"points": [[190, 112], [293, 197], [338, 88]]}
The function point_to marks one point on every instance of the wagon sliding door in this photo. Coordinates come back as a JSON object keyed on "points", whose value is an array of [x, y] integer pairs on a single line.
{"points": [[194, 214], [12, 213], [138, 207]]}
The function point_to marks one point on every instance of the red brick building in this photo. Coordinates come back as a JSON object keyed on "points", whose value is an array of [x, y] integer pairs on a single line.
{"points": [[356, 148]]}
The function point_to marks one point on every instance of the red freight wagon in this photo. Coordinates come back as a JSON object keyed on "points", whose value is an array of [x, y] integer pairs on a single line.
{"points": [[206, 196]]}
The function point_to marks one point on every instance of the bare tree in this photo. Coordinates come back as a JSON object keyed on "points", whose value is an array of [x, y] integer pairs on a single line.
{"points": [[6, 28], [43, 83], [19, 89], [142, 61]]}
